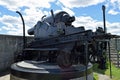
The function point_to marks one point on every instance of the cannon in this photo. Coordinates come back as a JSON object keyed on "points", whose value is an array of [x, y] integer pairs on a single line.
{"points": [[56, 40], [61, 50], [53, 26], [58, 31]]}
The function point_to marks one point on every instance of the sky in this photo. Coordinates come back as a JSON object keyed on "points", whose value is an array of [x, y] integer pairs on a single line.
{"points": [[88, 13]]}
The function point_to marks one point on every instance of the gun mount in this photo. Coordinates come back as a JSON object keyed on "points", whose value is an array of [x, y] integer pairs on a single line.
{"points": [[57, 41]]}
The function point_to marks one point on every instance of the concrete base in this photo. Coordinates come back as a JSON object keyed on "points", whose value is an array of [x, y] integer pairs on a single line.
{"points": [[32, 70]]}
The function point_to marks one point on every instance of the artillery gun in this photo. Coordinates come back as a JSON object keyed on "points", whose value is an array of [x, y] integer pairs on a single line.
{"points": [[57, 41]]}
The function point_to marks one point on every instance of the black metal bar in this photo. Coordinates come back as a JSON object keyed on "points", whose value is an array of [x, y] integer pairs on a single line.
{"points": [[117, 59], [24, 38], [62, 42], [103, 8], [81, 32], [110, 59], [41, 49], [53, 17], [86, 57], [117, 52], [116, 44]]}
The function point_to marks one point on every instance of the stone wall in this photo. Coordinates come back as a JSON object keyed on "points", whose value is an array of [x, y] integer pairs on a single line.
{"points": [[8, 46]]}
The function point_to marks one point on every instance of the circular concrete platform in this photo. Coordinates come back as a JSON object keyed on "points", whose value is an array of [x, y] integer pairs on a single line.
{"points": [[34, 70]]}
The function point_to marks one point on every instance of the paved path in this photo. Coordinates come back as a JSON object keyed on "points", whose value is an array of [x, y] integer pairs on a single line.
{"points": [[103, 77], [6, 77]]}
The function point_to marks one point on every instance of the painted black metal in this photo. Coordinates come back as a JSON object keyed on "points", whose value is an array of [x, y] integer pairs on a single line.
{"points": [[110, 60], [53, 74], [86, 55], [103, 8], [104, 22], [53, 17], [41, 49], [64, 39], [24, 38], [54, 44]]}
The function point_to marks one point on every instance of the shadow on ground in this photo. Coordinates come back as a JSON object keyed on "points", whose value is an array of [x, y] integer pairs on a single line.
{"points": [[98, 70]]}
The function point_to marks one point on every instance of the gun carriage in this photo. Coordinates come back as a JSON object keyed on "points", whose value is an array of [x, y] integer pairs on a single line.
{"points": [[59, 43], [56, 40]]}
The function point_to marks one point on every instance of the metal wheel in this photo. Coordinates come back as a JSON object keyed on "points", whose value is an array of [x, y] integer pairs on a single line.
{"points": [[63, 60]]}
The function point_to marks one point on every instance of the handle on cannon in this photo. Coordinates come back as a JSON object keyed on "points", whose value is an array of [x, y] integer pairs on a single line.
{"points": [[53, 17]]}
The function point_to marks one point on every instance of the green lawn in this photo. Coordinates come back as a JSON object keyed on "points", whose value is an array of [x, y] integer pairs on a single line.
{"points": [[95, 76], [115, 71]]}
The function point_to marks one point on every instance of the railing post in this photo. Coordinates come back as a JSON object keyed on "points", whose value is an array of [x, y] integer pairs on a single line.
{"points": [[86, 57], [109, 59]]}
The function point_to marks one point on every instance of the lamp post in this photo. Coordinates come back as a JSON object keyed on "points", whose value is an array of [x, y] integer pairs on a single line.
{"points": [[24, 38], [104, 23]]}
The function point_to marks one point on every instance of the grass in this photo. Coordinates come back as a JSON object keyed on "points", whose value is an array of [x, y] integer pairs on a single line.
{"points": [[115, 71], [95, 76]]}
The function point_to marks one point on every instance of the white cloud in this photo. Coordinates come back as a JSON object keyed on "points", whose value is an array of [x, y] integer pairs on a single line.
{"points": [[114, 6], [16, 27], [113, 12], [8, 19], [114, 27], [31, 14], [12, 25], [90, 23], [68, 11], [87, 22], [80, 3], [34, 11], [17, 4]]}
